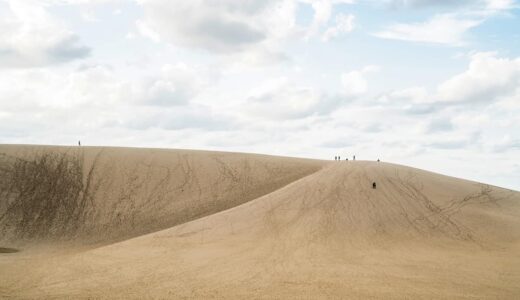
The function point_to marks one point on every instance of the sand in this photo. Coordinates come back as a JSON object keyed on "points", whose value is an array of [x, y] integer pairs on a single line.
{"points": [[192, 224]]}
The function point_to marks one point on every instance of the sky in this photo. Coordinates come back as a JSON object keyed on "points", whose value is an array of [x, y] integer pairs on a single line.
{"points": [[433, 84]]}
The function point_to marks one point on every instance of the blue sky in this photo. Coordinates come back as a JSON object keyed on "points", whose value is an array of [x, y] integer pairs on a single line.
{"points": [[432, 84]]}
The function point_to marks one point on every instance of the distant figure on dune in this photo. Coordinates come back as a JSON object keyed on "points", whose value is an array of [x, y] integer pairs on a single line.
{"points": [[339, 157], [346, 159], [378, 160], [335, 158], [79, 143], [374, 185], [354, 158]]}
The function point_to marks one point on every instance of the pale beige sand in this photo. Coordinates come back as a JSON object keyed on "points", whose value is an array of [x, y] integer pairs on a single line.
{"points": [[128, 192], [326, 234]]}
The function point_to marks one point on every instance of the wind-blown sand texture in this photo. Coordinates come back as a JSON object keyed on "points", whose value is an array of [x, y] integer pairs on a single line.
{"points": [[95, 222]]}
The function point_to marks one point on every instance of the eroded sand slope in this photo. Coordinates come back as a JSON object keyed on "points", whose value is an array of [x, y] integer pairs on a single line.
{"points": [[93, 195], [419, 235]]}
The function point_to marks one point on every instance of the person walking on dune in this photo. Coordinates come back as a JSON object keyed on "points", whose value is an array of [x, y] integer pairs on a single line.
{"points": [[79, 143]]}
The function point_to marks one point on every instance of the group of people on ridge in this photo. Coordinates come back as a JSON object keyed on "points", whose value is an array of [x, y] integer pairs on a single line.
{"points": [[339, 158]]}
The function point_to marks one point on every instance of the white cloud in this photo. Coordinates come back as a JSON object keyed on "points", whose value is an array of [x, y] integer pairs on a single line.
{"points": [[447, 29], [74, 2], [232, 27], [145, 31], [178, 84], [500, 4], [425, 3], [281, 99], [505, 143], [31, 37], [439, 124], [323, 10], [475, 109], [354, 83], [97, 87], [413, 94], [487, 4], [218, 26], [96, 104], [89, 16], [344, 24], [488, 77], [42, 89], [191, 116]]}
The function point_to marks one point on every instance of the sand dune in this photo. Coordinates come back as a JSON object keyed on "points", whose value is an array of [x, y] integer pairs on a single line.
{"points": [[251, 226], [93, 195]]}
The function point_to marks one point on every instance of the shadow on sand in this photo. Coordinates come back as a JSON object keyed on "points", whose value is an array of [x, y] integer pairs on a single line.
{"points": [[8, 250]]}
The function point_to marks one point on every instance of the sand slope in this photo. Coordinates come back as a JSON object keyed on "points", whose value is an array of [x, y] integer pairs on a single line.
{"points": [[328, 234], [92, 195]]}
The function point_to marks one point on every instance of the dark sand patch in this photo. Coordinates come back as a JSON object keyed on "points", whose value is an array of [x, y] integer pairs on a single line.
{"points": [[8, 250]]}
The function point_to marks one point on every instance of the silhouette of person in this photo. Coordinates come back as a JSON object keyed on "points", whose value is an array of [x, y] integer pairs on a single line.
{"points": [[378, 160], [335, 158], [354, 158], [339, 157], [373, 185], [346, 159], [79, 143]]}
